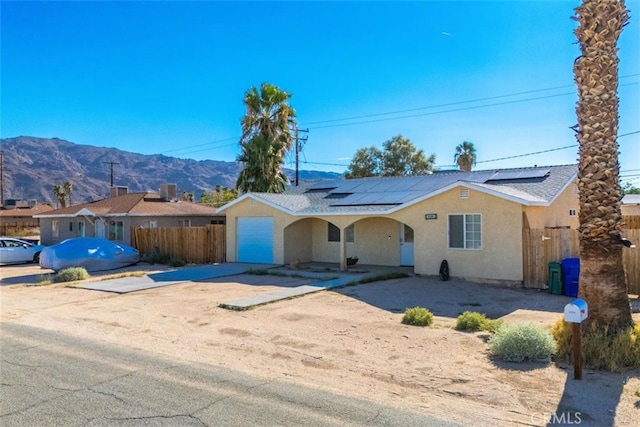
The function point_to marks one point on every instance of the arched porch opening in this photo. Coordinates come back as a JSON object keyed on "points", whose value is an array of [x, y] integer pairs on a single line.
{"points": [[373, 240]]}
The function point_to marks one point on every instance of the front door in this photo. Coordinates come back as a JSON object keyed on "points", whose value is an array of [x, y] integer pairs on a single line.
{"points": [[100, 228], [406, 245]]}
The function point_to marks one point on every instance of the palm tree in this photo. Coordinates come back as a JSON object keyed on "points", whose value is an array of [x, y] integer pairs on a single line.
{"points": [[61, 195], [67, 190], [266, 138], [465, 156], [262, 170], [602, 277]]}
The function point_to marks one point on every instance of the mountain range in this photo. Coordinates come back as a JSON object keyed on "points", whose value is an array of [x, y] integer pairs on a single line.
{"points": [[31, 166]]}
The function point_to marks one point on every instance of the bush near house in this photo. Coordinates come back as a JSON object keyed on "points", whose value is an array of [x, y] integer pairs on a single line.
{"points": [[71, 274], [474, 321], [519, 342], [601, 349], [163, 258], [417, 316]]}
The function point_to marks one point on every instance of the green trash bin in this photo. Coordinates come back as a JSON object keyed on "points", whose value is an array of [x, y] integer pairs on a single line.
{"points": [[555, 278]]}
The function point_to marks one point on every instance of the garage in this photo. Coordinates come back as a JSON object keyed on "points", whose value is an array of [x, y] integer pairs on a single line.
{"points": [[255, 239]]}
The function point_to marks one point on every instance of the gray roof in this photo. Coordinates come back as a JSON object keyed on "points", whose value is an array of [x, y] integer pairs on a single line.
{"points": [[528, 186], [631, 199]]}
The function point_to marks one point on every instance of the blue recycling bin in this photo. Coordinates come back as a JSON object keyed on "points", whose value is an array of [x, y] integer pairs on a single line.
{"points": [[570, 276]]}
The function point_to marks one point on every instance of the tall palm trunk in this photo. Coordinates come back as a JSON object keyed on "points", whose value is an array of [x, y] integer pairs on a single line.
{"points": [[602, 279]]}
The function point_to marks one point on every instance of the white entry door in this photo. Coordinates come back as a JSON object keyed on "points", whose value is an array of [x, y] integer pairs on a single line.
{"points": [[100, 228], [406, 245], [255, 240]]}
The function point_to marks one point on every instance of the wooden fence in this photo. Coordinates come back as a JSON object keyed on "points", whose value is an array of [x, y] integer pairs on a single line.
{"points": [[198, 245], [540, 247], [631, 221]]}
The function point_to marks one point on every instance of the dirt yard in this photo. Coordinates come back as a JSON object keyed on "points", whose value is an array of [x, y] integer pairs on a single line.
{"points": [[348, 341]]}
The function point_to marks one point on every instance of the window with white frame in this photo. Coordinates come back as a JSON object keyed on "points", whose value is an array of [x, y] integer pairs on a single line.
{"points": [[55, 230], [184, 223], [333, 233], [116, 231], [465, 231], [350, 233]]}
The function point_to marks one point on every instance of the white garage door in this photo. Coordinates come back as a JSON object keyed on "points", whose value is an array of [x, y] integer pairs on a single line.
{"points": [[255, 240]]}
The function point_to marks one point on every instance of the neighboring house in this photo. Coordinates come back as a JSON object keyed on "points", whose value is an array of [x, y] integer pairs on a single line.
{"points": [[630, 205], [112, 218], [20, 214], [474, 220]]}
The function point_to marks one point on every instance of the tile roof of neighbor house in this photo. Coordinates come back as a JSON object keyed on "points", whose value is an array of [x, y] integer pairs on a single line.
{"points": [[24, 212], [528, 186], [135, 204], [631, 199]]}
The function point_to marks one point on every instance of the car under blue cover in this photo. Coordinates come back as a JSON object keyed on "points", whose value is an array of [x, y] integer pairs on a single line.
{"points": [[92, 253]]}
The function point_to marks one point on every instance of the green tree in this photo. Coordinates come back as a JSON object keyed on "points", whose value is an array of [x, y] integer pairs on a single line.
{"points": [[266, 139], [602, 278], [401, 158], [366, 162], [465, 156], [398, 157], [629, 188], [218, 197]]}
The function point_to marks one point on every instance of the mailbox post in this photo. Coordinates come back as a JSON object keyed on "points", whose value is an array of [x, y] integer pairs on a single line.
{"points": [[575, 312]]}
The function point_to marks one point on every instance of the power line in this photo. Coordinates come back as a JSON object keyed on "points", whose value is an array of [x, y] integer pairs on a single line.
{"points": [[475, 107], [488, 98], [498, 159], [202, 145], [409, 116]]}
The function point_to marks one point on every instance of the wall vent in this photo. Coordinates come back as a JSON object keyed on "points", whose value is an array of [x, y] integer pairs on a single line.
{"points": [[464, 193]]}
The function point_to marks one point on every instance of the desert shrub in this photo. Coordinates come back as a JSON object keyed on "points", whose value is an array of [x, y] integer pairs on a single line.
{"points": [[474, 321], [71, 274], [156, 257], [417, 316], [45, 279], [176, 262], [601, 349], [520, 342]]}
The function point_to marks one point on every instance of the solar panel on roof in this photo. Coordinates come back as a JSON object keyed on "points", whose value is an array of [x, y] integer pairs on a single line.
{"points": [[519, 174], [325, 185], [378, 198]]}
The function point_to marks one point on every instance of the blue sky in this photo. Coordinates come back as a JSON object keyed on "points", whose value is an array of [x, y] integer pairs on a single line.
{"points": [[169, 77]]}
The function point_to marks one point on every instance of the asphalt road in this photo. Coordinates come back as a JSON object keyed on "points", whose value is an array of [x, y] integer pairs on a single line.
{"points": [[52, 379]]}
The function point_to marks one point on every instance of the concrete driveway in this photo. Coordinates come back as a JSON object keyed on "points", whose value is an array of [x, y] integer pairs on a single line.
{"points": [[124, 285]]}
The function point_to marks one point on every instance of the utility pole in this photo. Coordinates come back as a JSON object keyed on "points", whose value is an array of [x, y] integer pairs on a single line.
{"points": [[2, 178], [298, 148], [111, 165]]}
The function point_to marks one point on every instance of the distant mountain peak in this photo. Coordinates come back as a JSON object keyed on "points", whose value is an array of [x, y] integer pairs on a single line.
{"points": [[33, 165]]}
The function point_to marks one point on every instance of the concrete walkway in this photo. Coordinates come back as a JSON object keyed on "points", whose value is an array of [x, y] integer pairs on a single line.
{"points": [[247, 303]]}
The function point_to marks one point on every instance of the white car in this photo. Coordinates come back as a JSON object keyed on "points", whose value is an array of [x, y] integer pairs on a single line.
{"points": [[16, 250]]}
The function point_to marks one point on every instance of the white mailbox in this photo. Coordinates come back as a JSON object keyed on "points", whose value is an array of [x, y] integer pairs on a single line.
{"points": [[576, 311]]}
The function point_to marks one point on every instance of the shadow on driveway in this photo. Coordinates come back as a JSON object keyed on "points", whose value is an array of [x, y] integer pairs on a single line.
{"points": [[453, 297]]}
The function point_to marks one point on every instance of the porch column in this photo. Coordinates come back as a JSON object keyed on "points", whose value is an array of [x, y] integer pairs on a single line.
{"points": [[343, 250]]}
